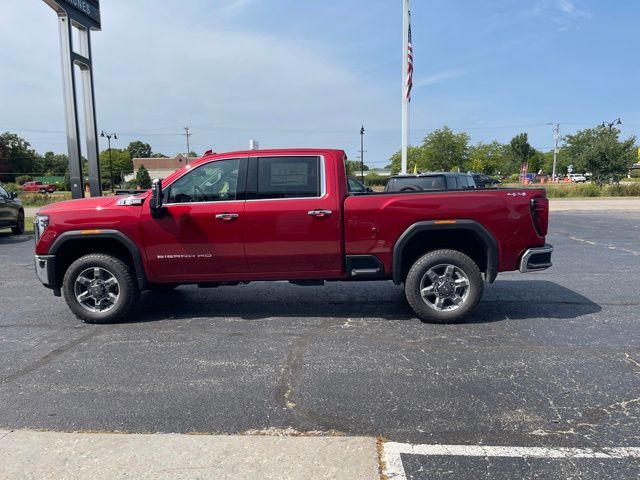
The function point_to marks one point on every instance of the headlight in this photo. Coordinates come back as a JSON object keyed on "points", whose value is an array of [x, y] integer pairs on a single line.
{"points": [[41, 224]]}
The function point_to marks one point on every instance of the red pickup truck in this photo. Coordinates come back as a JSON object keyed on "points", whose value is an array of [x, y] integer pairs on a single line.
{"points": [[38, 187], [286, 215]]}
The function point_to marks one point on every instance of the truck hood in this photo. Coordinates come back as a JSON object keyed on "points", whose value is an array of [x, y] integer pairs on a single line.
{"points": [[84, 204]]}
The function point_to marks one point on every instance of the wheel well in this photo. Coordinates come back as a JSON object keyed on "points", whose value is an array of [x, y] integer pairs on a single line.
{"points": [[75, 248], [464, 241]]}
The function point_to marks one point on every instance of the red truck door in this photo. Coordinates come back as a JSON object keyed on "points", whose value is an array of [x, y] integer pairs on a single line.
{"points": [[199, 235], [292, 222]]}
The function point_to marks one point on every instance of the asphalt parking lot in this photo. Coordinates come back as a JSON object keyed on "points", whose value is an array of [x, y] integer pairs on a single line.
{"points": [[550, 359]]}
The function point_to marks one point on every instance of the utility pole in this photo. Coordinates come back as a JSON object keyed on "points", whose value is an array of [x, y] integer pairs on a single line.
{"points": [[187, 134], [115, 137], [362, 154], [556, 138]]}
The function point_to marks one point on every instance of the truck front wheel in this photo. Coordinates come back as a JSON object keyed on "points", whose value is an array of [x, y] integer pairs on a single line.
{"points": [[99, 288], [444, 286]]}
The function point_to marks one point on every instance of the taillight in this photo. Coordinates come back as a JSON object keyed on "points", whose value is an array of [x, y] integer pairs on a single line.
{"points": [[540, 214]]}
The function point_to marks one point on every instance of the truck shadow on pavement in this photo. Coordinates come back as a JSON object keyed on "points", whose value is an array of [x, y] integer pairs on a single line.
{"points": [[8, 238], [505, 299]]}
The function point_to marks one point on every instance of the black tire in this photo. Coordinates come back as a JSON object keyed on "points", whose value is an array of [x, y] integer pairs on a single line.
{"points": [[462, 268], [162, 287], [19, 228], [127, 288]]}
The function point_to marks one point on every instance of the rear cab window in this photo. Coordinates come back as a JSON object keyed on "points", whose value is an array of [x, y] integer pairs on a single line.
{"points": [[289, 177]]}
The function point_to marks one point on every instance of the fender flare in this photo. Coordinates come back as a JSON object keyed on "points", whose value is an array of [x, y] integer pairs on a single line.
{"points": [[490, 244], [112, 234]]}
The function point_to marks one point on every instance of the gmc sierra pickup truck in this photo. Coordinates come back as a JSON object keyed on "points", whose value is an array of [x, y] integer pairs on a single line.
{"points": [[286, 214]]}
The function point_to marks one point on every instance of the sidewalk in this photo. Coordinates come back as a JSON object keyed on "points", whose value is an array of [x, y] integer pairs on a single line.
{"points": [[53, 455], [595, 204]]}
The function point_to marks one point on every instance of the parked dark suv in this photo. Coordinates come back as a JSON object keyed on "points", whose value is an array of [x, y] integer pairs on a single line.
{"points": [[11, 211], [430, 181]]}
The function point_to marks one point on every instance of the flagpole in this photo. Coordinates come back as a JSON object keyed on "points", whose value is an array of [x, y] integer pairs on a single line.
{"points": [[405, 74]]}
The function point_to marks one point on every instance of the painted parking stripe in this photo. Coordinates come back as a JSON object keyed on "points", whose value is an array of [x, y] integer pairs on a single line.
{"points": [[395, 469]]}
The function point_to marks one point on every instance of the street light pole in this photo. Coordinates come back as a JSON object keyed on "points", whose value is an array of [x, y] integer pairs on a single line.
{"points": [[115, 137], [362, 154], [617, 121]]}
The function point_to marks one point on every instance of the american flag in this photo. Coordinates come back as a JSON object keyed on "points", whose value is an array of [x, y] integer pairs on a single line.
{"points": [[409, 63]]}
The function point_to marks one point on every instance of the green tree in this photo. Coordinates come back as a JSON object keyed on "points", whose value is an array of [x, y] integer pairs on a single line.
{"points": [[139, 149], [158, 155], [142, 177], [16, 157], [600, 151], [121, 165], [521, 151], [353, 168], [489, 158], [54, 164], [446, 150], [415, 159], [562, 161]]}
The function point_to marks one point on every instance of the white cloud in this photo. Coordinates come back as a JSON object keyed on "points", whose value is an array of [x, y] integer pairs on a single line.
{"points": [[439, 77], [235, 7], [557, 10], [570, 8], [158, 68]]}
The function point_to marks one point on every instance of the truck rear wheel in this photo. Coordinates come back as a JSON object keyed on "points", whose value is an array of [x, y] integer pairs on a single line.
{"points": [[444, 286], [99, 288]]}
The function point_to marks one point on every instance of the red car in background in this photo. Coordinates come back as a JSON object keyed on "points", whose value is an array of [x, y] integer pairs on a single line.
{"points": [[39, 187]]}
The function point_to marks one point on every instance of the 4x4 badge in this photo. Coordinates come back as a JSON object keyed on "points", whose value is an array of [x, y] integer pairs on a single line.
{"points": [[513, 194]]}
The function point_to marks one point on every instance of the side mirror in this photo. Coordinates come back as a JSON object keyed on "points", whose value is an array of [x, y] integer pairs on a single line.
{"points": [[14, 195], [155, 204]]}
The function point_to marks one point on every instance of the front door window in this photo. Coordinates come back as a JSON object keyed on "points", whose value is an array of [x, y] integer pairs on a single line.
{"points": [[213, 182]]}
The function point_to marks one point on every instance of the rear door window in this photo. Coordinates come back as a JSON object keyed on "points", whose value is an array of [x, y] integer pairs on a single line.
{"points": [[289, 177]]}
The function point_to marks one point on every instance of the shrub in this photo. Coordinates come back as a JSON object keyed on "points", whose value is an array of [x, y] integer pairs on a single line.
{"points": [[618, 190], [22, 179], [592, 190], [513, 178], [372, 179], [40, 199], [10, 187], [635, 173]]}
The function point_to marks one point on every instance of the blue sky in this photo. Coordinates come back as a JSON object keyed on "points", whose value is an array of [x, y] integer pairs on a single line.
{"points": [[292, 73]]}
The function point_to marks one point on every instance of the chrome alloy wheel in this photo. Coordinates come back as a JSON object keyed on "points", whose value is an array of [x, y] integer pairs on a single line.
{"points": [[444, 287], [97, 290]]}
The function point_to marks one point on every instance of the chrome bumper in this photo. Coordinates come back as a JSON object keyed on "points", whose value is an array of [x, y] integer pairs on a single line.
{"points": [[537, 258], [45, 269]]}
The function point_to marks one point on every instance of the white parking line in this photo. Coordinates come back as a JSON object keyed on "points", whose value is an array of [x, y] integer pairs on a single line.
{"points": [[394, 470]]}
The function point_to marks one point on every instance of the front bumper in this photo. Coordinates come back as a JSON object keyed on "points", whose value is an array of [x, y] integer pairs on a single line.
{"points": [[536, 258], [46, 270]]}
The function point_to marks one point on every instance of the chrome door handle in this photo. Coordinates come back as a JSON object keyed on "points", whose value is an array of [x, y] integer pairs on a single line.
{"points": [[226, 216], [319, 213]]}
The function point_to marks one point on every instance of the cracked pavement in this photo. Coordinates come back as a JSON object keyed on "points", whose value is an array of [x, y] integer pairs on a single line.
{"points": [[548, 359]]}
